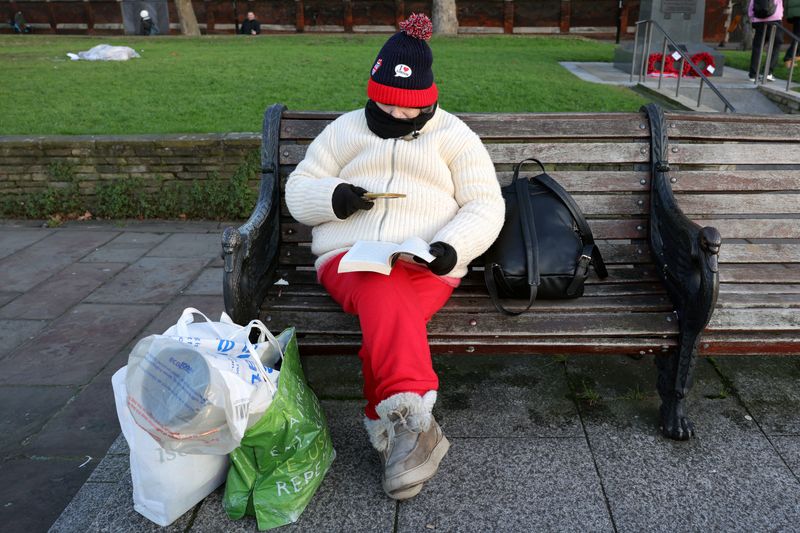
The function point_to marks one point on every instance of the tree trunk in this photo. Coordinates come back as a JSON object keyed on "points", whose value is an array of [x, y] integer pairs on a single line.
{"points": [[187, 18], [445, 21]]}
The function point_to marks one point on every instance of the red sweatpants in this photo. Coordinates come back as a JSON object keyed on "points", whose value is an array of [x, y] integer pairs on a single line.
{"points": [[393, 311]]}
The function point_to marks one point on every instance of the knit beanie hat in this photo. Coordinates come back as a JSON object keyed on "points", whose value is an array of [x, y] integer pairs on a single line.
{"points": [[402, 74]]}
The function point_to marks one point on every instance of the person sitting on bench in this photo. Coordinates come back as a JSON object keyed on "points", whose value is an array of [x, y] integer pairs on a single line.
{"points": [[401, 142]]}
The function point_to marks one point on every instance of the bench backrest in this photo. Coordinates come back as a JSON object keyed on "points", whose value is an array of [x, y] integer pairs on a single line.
{"points": [[602, 161]]}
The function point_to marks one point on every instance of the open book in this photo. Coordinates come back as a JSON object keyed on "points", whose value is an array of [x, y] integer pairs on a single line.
{"points": [[379, 256]]}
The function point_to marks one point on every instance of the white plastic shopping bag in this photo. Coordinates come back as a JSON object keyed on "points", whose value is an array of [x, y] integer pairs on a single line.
{"points": [[198, 387], [166, 484]]}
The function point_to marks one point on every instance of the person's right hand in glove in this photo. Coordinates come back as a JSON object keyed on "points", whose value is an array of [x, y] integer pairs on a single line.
{"points": [[347, 199]]}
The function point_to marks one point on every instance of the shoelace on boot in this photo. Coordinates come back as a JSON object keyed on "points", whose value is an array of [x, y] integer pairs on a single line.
{"points": [[399, 416]]}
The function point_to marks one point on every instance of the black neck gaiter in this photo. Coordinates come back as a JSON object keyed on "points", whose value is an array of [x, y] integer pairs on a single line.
{"points": [[385, 126]]}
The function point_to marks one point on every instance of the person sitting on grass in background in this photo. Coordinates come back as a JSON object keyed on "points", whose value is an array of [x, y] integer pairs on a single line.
{"points": [[250, 26], [19, 23], [400, 142]]}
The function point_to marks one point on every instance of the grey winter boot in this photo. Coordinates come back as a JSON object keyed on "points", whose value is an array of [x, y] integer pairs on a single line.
{"points": [[410, 442]]}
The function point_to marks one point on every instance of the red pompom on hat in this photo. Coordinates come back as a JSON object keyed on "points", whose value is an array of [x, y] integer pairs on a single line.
{"points": [[401, 74]]}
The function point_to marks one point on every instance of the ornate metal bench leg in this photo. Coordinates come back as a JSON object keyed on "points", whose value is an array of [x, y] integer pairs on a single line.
{"points": [[251, 251], [686, 258]]}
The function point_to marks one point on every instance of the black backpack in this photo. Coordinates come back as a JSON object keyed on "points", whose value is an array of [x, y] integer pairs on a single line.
{"points": [[764, 8], [545, 247]]}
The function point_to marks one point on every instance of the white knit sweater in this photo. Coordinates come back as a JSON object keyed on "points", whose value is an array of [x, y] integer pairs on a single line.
{"points": [[449, 179]]}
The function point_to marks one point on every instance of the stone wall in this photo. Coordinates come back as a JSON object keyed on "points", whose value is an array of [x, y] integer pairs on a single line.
{"points": [[789, 102], [31, 164]]}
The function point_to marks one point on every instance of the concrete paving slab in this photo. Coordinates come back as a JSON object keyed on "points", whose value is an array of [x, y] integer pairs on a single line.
{"points": [[526, 396], [209, 282], [76, 346], [119, 447], [151, 226], [6, 297], [13, 239], [149, 280], [333, 376], [510, 485], [33, 492], [117, 514], [211, 306], [29, 267], [111, 469], [789, 448], [718, 478], [349, 499], [768, 386], [184, 245], [83, 509], [63, 290], [126, 248], [85, 427], [13, 333], [25, 411]]}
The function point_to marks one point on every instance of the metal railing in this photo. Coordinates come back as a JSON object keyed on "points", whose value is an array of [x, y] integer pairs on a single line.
{"points": [[684, 60], [773, 32]]}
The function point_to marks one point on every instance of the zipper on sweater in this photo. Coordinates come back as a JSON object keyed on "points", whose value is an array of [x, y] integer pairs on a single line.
{"points": [[388, 189]]}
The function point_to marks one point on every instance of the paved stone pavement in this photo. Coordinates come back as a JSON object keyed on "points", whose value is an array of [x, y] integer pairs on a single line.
{"points": [[538, 444]]}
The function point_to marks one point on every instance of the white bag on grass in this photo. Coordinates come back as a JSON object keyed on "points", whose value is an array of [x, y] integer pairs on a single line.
{"points": [[166, 484], [199, 386]]}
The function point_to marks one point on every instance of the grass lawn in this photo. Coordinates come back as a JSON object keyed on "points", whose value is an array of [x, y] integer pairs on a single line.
{"points": [[741, 59], [223, 83]]}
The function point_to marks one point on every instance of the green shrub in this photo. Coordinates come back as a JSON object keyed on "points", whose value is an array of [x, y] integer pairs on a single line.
{"points": [[129, 197]]}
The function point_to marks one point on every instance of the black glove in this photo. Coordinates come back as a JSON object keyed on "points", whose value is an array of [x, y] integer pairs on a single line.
{"points": [[347, 200], [446, 258]]}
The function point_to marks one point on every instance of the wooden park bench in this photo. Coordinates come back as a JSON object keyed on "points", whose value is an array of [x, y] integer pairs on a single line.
{"points": [[669, 280]]}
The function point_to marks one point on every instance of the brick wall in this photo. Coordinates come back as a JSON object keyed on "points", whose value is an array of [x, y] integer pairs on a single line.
{"points": [[29, 164]]}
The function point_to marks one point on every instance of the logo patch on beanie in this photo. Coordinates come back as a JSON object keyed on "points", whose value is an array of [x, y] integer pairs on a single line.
{"points": [[378, 64], [402, 71]]}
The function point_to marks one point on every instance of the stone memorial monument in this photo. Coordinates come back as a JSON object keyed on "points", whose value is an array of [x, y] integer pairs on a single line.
{"points": [[682, 20]]}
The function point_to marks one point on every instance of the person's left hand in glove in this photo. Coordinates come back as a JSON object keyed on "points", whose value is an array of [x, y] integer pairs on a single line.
{"points": [[445, 258]]}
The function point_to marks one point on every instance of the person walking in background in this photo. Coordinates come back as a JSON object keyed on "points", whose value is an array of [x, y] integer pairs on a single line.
{"points": [[763, 14], [146, 26], [251, 26], [793, 16]]}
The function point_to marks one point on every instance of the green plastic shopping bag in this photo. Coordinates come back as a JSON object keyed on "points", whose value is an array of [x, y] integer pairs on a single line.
{"points": [[284, 457]]}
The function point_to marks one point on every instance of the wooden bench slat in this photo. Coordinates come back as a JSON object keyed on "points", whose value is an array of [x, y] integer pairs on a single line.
{"points": [[755, 319], [510, 126], [733, 154], [759, 288], [530, 324], [756, 300], [618, 275], [482, 304], [759, 253], [601, 229], [347, 344], [734, 180], [682, 130], [605, 153], [763, 273], [613, 253], [739, 204]]}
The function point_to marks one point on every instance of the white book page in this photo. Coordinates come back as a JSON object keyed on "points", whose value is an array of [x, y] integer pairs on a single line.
{"points": [[379, 256]]}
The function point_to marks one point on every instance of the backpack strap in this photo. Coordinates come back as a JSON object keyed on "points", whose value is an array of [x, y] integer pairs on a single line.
{"points": [[530, 242]]}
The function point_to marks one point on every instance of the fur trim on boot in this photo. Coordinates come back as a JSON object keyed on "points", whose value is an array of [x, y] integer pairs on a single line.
{"points": [[419, 415], [378, 433], [418, 407]]}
